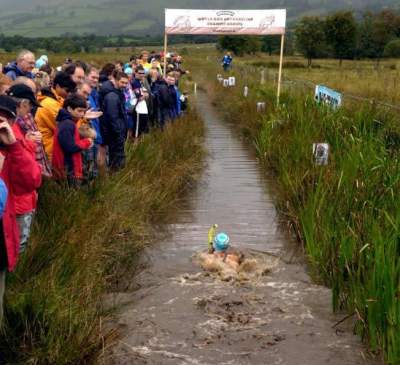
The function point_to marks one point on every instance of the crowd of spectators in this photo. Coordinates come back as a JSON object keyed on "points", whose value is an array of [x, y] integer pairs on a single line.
{"points": [[69, 123]]}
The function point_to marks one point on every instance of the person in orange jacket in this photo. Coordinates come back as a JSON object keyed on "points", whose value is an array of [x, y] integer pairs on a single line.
{"points": [[51, 101]]}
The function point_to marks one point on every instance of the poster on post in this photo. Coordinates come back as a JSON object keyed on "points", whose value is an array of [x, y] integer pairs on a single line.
{"points": [[328, 96], [321, 153], [225, 22]]}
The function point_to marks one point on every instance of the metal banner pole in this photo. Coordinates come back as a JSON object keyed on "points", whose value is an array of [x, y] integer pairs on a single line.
{"points": [[280, 69]]}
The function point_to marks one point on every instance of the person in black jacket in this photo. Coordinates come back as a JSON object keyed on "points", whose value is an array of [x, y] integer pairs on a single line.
{"points": [[114, 122], [167, 99]]}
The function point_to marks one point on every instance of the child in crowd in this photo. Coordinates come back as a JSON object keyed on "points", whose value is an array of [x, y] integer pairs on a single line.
{"points": [[68, 145]]}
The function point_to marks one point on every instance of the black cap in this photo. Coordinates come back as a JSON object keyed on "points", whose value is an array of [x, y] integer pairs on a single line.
{"points": [[8, 105], [22, 91]]}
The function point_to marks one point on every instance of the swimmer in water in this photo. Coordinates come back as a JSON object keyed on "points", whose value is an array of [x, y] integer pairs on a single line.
{"points": [[223, 251]]}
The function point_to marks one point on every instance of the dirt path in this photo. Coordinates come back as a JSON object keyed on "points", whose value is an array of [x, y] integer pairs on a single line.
{"points": [[180, 315]]}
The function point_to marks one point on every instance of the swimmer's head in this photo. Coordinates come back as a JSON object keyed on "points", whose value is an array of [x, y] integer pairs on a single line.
{"points": [[221, 242]]}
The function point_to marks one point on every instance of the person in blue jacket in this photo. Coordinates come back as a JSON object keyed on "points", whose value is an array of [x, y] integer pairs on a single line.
{"points": [[93, 77], [23, 66], [227, 61]]}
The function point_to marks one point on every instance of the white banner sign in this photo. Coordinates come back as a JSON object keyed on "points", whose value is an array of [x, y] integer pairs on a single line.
{"points": [[225, 22]]}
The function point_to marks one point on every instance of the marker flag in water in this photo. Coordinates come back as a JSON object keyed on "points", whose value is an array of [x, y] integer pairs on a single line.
{"points": [[211, 234]]}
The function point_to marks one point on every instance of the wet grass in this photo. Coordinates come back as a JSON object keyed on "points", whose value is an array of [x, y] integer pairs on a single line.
{"points": [[346, 214], [85, 242]]}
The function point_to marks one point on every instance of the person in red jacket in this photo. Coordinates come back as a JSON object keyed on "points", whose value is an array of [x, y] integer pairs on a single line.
{"points": [[22, 175], [68, 145], [25, 205]]}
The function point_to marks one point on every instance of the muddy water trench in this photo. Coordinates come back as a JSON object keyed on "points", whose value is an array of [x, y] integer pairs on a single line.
{"points": [[182, 315]]}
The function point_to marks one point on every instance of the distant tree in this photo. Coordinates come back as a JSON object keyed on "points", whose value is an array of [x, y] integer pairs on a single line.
{"points": [[239, 45], [341, 34], [382, 34], [392, 49], [310, 37], [392, 20], [376, 31], [366, 46], [289, 43], [270, 44]]}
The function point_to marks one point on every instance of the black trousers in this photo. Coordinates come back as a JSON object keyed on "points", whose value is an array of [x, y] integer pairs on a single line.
{"points": [[116, 152], [143, 123]]}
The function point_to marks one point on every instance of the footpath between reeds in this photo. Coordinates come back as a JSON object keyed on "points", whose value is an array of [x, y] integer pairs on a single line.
{"points": [[85, 241], [346, 214]]}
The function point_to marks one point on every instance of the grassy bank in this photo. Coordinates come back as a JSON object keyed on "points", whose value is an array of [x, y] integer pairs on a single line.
{"points": [[85, 241], [346, 214]]}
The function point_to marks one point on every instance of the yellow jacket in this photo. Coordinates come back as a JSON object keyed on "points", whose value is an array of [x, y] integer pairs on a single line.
{"points": [[45, 117]]}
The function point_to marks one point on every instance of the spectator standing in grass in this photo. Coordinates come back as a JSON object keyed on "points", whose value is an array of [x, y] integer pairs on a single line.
{"points": [[106, 72], [114, 123], [93, 78], [167, 99], [87, 130], [23, 66], [153, 80], [76, 71], [68, 145], [227, 61], [21, 175], [26, 101], [51, 101], [140, 111], [25, 205]]}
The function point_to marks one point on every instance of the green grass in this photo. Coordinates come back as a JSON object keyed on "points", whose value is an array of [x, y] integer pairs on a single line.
{"points": [[85, 242], [346, 214]]}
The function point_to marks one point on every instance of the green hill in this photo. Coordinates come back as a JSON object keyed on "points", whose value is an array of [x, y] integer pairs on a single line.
{"points": [[139, 17]]}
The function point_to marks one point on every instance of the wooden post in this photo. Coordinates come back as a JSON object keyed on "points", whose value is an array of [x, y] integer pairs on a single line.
{"points": [[262, 80], [280, 69], [165, 53]]}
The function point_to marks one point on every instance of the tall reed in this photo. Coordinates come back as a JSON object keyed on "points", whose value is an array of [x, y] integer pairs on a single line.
{"points": [[347, 214], [87, 241]]}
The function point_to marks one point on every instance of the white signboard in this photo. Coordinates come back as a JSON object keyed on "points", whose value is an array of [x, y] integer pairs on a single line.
{"points": [[257, 22], [321, 153]]}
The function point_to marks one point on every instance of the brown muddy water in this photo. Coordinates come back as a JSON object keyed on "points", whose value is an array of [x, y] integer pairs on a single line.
{"points": [[178, 314]]}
